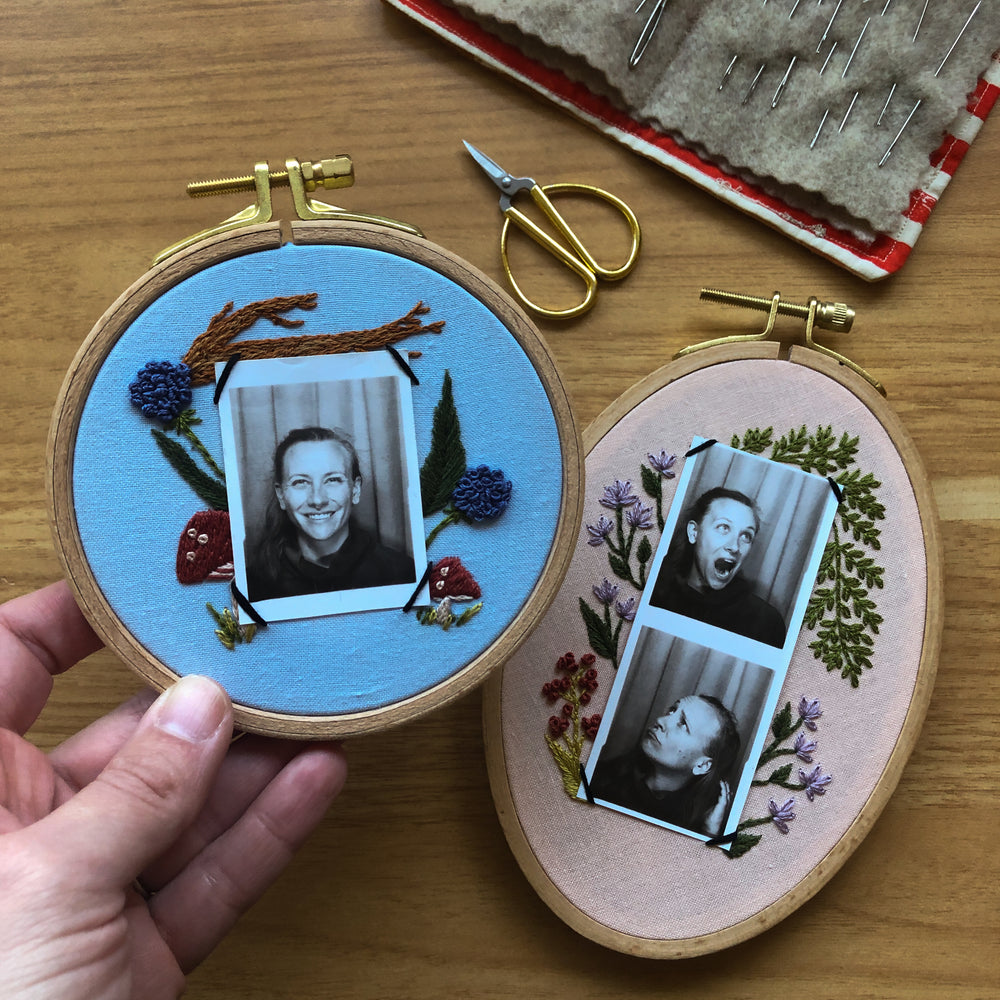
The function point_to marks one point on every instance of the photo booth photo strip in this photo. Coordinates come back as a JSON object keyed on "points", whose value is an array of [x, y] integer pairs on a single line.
{"points": [[713, 636]]}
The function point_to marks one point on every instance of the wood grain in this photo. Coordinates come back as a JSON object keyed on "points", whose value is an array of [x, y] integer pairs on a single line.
{"points": [[408, 889]]}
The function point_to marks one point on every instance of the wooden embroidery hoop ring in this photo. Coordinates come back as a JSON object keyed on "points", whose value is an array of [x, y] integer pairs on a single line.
{"points": [[251, 239], [814, 880]]}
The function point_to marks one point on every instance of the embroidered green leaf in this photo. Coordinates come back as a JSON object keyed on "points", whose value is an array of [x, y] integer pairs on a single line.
{"points": [[568, 763], [651, 482], [780, 774], [206, 487], [742, 843], [619, 567], [445, 462], [644, 550], [754, 441], [599, 633], [782, 724], [841, 607]]}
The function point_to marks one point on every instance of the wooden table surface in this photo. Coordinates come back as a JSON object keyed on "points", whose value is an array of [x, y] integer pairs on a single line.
{"points": [[408, 888]]}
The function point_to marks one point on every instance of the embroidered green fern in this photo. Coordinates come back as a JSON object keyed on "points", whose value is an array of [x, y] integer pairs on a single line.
{"points": [[840, 610], [445, 462]]}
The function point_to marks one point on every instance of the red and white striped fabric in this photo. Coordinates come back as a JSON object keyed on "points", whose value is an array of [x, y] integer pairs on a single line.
{"points": [[872, 260]]}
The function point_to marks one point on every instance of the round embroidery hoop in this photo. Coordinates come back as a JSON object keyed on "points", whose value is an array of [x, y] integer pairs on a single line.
{"points": [[630, 885], [115, 502]]}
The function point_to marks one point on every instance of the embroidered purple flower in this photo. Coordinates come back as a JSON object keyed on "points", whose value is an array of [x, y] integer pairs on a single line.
{"points": [[815, 781], [663, 464], [598, 532], [482, 494], [639, 516], [809, 712], [606, 592], [782, 815], [618, 495], [626, 609], [804, 748], [161, 390]]}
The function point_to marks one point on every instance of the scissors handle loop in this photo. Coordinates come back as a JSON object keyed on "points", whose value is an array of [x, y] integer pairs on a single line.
{"points": [[580, 260]]}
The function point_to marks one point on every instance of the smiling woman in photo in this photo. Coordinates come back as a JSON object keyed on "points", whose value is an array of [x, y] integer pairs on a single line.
{"points": [[311, 542]]}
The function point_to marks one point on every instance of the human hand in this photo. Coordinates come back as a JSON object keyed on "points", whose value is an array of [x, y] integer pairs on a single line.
{"points": [[151, 791], [715, 819]]}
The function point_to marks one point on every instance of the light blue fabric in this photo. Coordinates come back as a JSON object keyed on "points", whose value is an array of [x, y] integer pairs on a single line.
{"points": [[131, 506]]}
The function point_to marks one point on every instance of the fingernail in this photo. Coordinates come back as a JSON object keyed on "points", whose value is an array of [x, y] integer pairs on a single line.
{"points": [[193, 709]]}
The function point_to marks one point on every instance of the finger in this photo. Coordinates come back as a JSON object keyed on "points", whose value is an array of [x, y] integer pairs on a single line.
{"points": [[150, 790], [249, 767], [41, 634], [81, 758], [198, 907]]}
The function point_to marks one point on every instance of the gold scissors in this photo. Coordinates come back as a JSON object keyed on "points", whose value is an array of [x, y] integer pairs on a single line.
{"points": [[578, 259]]}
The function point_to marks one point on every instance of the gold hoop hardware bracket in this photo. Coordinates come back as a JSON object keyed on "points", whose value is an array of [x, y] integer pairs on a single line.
{"points": [[834, 316], [302, 177]]}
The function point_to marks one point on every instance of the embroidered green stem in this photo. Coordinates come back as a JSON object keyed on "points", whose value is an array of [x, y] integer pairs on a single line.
{"points": [[452, 516], [182, 424], [210, 490]]}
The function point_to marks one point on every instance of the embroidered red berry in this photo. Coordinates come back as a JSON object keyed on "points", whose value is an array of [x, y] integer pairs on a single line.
{"points": [[205, 549]]}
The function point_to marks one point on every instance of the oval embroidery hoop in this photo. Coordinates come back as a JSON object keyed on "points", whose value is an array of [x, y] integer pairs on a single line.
{"points": [[634, 886], [117, 507]]}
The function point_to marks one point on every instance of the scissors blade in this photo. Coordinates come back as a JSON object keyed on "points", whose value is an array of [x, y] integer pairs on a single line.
{"points": [[493, 170]]}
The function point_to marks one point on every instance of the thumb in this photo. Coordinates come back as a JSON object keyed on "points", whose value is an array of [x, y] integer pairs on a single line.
{"points": [[150, 790]]}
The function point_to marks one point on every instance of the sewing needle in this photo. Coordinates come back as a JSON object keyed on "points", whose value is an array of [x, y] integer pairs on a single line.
{"points": [[850, 58], [913, 111], [646, 35], [753, 84], [729, 70], [920, 22], [975, 10], [885, 107], [781, 86], [826, 114], [836, 11]]}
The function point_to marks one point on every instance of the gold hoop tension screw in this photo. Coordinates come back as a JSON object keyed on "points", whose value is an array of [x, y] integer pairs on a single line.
{"points": [[829, 315], [337, 172]]}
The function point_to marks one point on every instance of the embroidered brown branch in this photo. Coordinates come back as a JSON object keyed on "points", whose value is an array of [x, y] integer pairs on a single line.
{"points": [[215, 344]]}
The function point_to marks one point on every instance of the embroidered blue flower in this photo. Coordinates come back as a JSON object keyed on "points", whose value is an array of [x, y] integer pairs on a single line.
{"points": [[815, 781], [809, 712], [639, 516], [663, 464], [782, 815], [626, 609], [606, 592], [804, 748], [161, 390], [618, 495], [598, 532], [482, 494]]}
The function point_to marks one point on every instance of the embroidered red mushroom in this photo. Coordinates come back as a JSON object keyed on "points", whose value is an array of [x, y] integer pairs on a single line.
{"points": [[205, 549], [449, 578]]}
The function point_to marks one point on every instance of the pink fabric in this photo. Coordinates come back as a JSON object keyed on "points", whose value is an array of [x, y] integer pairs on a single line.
{"points": [[639, 879]]}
